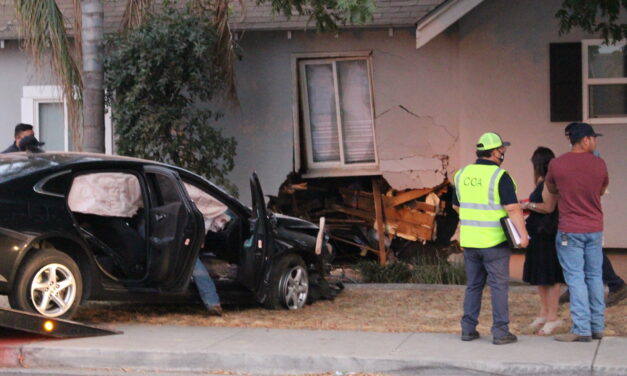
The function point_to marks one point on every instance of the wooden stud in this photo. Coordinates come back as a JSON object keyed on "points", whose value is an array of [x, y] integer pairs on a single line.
{"points": [[378, 209]]}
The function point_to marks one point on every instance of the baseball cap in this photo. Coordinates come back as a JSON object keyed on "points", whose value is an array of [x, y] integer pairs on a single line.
{"points": [[490, 140], [577, 131]]}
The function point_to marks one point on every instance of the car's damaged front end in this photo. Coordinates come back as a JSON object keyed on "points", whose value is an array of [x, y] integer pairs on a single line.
{"points": [[311, 243]]}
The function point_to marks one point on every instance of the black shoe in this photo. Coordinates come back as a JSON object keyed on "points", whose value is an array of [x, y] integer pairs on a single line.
{"points": [[597, 335], [508, 338], [565, 297], [613, 298], [215, 310], [572, 337], [471, 336]]}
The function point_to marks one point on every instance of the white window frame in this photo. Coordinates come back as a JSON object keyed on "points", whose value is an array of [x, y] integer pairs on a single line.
{"points": [[334, 168], [32, 96], [587, 82]]}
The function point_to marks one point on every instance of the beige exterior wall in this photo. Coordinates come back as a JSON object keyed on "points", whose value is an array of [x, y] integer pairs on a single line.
{"points": [[488, 72], [504, 87], [416, 103], [16, 71]]}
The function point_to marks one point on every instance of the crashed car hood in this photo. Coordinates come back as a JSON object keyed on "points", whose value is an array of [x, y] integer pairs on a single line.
{"points": [[294, 223]]}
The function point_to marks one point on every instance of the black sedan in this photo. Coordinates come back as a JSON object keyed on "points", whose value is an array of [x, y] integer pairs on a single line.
{"points": [[78, 226]]}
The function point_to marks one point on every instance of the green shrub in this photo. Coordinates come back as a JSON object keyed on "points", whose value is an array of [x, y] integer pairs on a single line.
{"points": [[440, 272], [162, 80], [393, 272]]}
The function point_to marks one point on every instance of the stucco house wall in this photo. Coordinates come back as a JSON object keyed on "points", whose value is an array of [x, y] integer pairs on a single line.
{"points": [[487, 72], [16, 71], [415, 95], [504, 86]]}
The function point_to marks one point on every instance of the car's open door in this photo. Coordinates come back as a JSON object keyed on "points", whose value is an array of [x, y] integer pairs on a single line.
{"points": [[255, 253], [176, 230]]}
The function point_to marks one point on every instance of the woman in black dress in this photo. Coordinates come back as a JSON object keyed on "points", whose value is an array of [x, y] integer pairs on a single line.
{"points": [[542, 267]]}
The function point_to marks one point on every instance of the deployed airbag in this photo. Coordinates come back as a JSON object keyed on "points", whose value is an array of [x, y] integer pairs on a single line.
{"points": [[110, 194], [213, 211]]}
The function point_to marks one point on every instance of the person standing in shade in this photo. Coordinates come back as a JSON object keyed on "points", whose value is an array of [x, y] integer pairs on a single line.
{"points": [[485, 193], [542, 268], [21, 130], [616, 285], [579, 178]]}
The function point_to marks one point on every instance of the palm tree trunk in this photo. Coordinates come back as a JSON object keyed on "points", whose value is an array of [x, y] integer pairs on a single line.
{"points": [[93, 76]]}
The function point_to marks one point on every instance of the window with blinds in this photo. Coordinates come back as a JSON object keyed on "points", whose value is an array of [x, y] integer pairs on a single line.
{"points": [[337, 111]]}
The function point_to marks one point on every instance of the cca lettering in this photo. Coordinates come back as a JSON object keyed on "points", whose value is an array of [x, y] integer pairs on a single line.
{"points": [[473, 182]]}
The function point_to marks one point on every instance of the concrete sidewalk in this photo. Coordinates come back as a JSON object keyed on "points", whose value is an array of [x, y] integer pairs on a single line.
{"points": [[276, 351]]}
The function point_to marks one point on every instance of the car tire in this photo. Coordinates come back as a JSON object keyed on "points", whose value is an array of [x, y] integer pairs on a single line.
{"points": [[49, 284], [289, 284]]}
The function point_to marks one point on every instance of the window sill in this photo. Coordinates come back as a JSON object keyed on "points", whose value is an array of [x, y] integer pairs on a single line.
{"points": [[340, 172], [617, 120]]}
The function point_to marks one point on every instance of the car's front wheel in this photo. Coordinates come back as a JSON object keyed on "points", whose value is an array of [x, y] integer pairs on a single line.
{"points": [[289, 284], [49, 283]]}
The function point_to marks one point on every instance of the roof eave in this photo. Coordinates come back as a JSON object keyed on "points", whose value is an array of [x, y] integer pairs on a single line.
{"points": [[441, 18]]}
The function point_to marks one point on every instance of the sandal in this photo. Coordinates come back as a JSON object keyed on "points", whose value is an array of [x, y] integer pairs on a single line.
{"points": [[535, 325], [549, 327]]}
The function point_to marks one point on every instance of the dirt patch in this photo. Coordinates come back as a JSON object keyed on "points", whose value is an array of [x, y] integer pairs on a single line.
{"points": [[364, 309]]}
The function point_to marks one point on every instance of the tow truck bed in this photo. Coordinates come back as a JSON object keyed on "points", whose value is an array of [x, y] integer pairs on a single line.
{"points": [[56, 328]]}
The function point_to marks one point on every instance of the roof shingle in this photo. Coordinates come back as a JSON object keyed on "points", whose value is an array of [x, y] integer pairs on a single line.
{"points": [[388, 13]]}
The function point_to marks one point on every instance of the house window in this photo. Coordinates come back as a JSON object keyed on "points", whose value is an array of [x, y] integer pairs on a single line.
{"points": [[604, 82], [337, 111], [44, 108]]}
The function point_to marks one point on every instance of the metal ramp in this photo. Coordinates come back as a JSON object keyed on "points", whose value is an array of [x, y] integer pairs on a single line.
{"points": [[56, 328]]}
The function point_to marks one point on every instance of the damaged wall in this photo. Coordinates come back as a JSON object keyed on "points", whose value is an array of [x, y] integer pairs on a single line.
{"points": [[413, 150], [415, 104], [489, 72]]}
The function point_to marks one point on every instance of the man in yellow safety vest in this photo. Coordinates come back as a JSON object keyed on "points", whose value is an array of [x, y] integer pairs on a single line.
{"points": [[485, 193]]}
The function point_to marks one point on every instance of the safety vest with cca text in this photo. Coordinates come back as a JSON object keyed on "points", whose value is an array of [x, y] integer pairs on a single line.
{"points": [[480, 209]]}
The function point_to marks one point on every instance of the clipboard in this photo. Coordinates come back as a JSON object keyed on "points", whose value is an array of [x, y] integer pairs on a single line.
{"points": [[511, 233]]}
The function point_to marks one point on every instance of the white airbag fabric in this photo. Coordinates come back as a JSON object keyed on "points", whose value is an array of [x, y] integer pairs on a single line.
{"points": [[109, 194], [213, 211]]}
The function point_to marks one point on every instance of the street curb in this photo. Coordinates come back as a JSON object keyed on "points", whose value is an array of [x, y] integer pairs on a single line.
{"points": [[10, 356], [33, 357], [426, 287]]}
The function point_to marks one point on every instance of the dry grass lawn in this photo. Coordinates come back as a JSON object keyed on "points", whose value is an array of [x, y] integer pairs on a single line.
{"points": [[365, 309]]}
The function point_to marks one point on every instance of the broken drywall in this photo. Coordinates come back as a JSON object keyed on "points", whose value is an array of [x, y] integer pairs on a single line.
{"points": [[413, 150]]}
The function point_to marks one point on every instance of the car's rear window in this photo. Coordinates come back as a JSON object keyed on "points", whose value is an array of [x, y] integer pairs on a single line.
{"points": [[16, 165]]}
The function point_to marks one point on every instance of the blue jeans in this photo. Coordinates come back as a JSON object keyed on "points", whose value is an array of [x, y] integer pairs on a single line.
{"points": [[581, 257], [204, 284], [491, 264]]}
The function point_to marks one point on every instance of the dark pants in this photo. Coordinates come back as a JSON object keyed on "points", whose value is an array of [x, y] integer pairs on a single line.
{"points": [[610, 278], [491, 264]]}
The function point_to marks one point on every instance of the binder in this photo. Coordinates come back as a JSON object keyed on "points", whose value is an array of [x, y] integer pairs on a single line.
{"points": [[511, 233]]}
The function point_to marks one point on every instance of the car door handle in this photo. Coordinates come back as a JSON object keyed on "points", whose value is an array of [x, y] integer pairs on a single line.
{"points": [[160, 217]]}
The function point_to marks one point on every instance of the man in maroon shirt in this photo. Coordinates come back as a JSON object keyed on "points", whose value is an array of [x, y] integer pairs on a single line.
{"points": [[580, 178]]}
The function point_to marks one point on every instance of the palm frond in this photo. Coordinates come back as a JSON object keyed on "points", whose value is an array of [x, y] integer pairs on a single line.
{"points": [[135, 12], [43, 27]]}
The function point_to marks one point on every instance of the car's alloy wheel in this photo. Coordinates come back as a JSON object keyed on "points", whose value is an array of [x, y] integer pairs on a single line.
{"points": [[289, 283], [48, 283], [53, 290], [294, 287]]}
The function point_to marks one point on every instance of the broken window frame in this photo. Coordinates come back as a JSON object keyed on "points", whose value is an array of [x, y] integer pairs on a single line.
{"points": [[326, 167]]}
